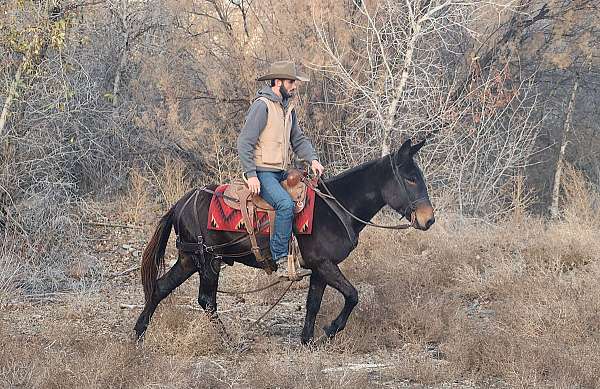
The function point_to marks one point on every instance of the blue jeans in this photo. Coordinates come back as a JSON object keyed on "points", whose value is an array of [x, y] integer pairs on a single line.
{"points": [[274, 194]]}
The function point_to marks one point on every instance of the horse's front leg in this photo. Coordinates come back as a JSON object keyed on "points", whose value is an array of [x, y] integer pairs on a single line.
{"points": [[313, 305], [333, 276]]}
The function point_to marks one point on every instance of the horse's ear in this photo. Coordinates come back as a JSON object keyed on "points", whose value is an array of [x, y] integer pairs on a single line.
{"points": [[414, 149], [404, 151]]}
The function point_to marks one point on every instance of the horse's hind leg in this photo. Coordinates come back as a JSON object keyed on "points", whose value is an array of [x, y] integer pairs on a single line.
{"points": [[207, 293], [333, 277], [181, 271]]}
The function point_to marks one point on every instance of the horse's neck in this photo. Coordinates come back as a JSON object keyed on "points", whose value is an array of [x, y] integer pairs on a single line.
{"points": [[359, 191]]}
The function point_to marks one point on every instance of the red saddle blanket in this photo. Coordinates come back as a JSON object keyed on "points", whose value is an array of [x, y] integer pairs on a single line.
{"points": [[224, 218]]}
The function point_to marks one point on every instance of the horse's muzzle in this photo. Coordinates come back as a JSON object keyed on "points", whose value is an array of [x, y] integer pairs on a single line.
{"points": [[423, 217]]}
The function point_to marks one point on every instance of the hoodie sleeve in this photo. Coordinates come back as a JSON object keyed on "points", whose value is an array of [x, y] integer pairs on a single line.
{"points": [[300, 143], [256, 120]]}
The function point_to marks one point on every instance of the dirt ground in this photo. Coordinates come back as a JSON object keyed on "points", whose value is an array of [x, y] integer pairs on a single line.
{"points": [[431, 314]]}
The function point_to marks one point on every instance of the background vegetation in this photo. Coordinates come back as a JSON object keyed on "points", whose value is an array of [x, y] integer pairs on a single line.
{"points": [[111, 109]]}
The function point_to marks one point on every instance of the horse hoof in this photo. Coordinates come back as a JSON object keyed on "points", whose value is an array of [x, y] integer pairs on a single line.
{"points": [[138, 336], [307, 340], [313, 344], [329, 331]]}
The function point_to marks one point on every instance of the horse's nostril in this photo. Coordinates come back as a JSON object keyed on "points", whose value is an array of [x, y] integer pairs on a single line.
{"points": [[430, 222]]}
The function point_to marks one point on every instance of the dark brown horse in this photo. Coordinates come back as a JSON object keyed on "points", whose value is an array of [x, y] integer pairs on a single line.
{"points": [[394, 180]]}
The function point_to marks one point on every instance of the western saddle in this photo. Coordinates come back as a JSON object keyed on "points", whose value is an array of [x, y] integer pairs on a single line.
{"points": [[238, 196]]}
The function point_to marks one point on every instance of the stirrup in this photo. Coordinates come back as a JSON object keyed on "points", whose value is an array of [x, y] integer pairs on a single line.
{"points": [[294, 271], [297, 276]]}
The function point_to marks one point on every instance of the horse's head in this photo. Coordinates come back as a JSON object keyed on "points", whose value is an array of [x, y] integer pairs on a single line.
{"points": [[405, 190]]}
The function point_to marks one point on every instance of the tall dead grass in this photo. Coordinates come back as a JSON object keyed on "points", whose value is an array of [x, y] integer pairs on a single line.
{"points": [[10, 270], [41, 243], [512, 304], [182, 349], [66, 359], [184, 333], [515, 302], [153, 189]]}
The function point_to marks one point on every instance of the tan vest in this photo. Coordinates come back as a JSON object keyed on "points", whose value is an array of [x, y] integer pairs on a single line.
{"points": [[272, 149]]}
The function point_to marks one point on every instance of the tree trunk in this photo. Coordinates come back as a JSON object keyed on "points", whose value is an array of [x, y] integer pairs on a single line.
{"points": [[561, 154], [119, 72], [12, 92], [391, 115]]}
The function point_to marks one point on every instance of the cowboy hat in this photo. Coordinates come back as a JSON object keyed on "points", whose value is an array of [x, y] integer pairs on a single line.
{"points": [[283, 70]]}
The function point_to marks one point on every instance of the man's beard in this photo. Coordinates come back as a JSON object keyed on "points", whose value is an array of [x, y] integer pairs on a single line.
{"points": [[284, 92]]}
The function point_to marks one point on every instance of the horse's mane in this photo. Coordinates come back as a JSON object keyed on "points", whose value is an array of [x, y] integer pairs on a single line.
{"points": [[350, 172]]}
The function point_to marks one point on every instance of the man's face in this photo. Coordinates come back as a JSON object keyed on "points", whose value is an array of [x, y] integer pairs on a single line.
{"points": [[289, 86]]}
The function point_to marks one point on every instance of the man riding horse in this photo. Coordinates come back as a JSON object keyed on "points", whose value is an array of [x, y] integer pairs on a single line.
{"points": [[349, 201], [271, 128]]}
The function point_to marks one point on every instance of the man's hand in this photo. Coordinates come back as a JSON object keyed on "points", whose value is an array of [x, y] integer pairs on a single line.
{"points": [[317, 168], [254, 185]]}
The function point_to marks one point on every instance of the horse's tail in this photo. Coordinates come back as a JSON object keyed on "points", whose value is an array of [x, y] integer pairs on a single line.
{"points": [[154, 253]]}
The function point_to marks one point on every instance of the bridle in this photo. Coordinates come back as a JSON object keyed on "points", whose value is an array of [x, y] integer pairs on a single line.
{"points": [[412, 204], [411, 208]]}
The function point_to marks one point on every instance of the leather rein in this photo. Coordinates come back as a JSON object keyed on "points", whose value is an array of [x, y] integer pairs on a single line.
{"points": [[410, 208]]}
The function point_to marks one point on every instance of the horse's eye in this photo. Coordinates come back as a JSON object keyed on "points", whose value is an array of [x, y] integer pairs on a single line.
{"points": [[412, 180]]}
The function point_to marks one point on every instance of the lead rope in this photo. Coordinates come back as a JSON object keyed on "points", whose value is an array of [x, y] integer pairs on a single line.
{"points": [[235, 241], [330, 196], [280, 280], [275, 304], [234, 293]]}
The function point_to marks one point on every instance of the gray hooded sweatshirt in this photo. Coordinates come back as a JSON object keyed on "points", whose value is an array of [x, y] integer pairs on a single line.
{"points": [[256, 120]]}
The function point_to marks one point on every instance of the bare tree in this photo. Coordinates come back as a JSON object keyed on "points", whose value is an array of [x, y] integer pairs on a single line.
{"points": [[396, 55], [398, 78], [563, 147], [134, 19], [488, 139]]}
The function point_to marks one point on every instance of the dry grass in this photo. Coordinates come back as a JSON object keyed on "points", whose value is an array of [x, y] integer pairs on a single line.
{"points": [[138, 198], [172, 180], [508, 305], [10, 270], [183, 333], [514, 302], [151, 190], [60, 360]]}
